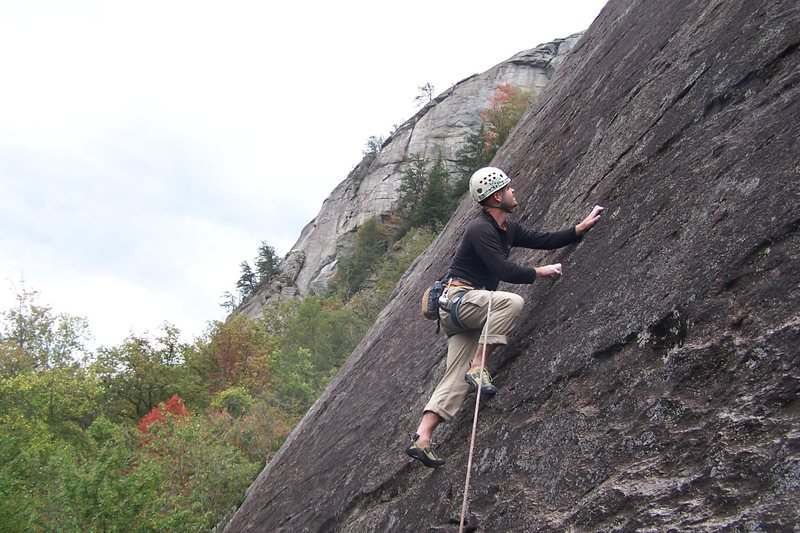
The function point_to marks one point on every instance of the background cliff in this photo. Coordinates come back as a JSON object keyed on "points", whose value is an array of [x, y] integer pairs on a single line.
{"points": [[655, 385], [373, 187]]}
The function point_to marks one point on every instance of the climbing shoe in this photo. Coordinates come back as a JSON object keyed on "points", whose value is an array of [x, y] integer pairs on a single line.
{"points": [[482, 375], [424, 455]]}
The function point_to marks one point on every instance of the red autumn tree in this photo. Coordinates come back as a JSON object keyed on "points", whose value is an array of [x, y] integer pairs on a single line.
{"points": [[173, 406], [506, 107]]}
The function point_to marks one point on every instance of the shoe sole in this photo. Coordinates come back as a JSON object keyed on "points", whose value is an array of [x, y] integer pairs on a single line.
{"points": [[419, 455]]}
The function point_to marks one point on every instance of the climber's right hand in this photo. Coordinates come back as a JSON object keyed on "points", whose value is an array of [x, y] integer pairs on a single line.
{"points": [[548, 271]]}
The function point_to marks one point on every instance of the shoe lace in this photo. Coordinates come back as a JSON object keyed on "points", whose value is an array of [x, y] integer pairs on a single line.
{"points": [[483, 375], [431, 445], [429, 450]]}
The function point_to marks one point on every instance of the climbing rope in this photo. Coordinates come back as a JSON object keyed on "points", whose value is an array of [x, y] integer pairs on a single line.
{"points": [[475, 417]]}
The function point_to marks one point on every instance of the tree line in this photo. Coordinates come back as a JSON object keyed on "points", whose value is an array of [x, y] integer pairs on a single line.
{"points": [[156, 434]]}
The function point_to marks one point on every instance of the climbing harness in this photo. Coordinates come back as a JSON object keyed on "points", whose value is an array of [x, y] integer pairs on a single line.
{"points": [[450, 306], [437, 297], [475, 418]]}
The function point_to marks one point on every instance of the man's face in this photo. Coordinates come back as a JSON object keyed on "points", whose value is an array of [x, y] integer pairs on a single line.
{"points": [[509, 197]]}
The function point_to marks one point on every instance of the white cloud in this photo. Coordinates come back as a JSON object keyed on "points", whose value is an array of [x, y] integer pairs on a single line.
{"points": [[147, 148]]}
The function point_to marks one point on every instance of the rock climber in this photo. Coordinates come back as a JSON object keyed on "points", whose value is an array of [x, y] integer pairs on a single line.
{"points": [[480, 263]]}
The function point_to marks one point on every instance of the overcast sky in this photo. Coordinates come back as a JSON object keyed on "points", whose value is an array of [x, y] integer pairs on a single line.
{"points": [[147, 148]]}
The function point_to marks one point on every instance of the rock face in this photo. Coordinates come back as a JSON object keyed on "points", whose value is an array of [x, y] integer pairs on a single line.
{"points": [[371, 189], [654, 387]]}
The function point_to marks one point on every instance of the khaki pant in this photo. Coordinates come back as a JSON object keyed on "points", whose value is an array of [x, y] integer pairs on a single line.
{"points": [[461, 345]]}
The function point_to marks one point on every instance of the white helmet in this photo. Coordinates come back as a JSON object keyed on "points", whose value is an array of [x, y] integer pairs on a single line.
{"points": [[486, 181]]}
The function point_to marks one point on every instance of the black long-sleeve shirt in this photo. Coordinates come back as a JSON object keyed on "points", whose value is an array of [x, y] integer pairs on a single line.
{"points": [[482, 256]]}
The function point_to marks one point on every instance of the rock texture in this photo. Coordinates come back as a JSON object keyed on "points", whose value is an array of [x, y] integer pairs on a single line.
{"points": [[372, 187], [654, 387]]}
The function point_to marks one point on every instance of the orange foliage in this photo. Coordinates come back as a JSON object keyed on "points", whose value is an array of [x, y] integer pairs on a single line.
{"points": [[174, 406], [241, 356], [506, 107]]}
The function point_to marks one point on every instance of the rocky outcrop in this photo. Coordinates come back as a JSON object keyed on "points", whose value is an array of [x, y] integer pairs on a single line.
{"points": [[654, 387], [371, 189]]}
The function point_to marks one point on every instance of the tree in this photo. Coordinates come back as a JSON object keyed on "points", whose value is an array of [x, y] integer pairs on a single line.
{"points": [[476, 152], [247, 281], [412, 185], [174, 406], [371, 244], [425, 94], [239, 350], [297, 382], [141, 372], [374, 145], [230, 301], [437, 202], [202, 475], [66, 399], [33, 336], [426, 197], [267, 264], [267, 270], [111, 490], [235, 400], [506, 107], [13, 359]]}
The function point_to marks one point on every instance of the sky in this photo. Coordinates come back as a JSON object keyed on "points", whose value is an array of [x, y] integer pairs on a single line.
{"points": [[148, 148]]}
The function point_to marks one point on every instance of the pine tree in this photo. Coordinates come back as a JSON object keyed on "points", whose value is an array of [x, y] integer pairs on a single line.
{"points": [[248, 280], [435, 205], [267, 264]]}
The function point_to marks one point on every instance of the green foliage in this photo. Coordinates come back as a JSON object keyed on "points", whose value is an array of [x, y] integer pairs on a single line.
{"points": [[25, 446], [111, 490], [353, 271], [267, 264], [437, 203], [50, 396], [267, 270], [33, 337], [475, 153], [366, 305], [295, 383], [257, 434], [235, 400], [141, 372], [316, 337], [412, 186], [425, 94], [427, 197], [248, 281], [202, 475], [373, 145]]}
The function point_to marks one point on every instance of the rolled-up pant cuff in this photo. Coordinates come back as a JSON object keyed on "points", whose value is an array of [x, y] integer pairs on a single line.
{"points": [[494, 339]]}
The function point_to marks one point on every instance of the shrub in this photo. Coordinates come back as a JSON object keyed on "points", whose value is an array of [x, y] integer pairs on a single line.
{"points": [[235, 400]]}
